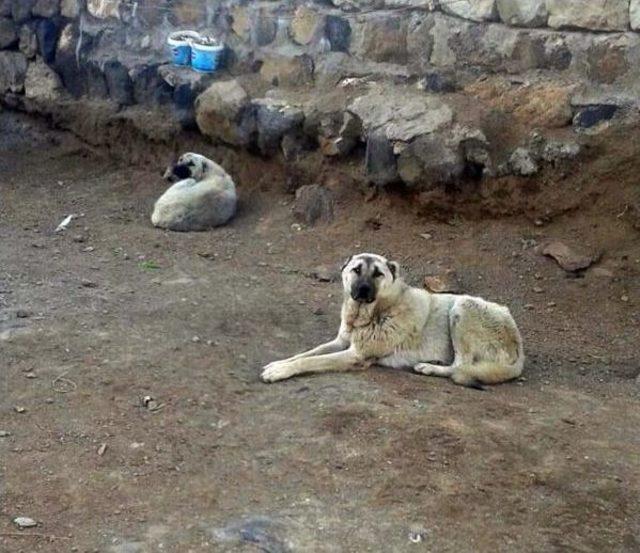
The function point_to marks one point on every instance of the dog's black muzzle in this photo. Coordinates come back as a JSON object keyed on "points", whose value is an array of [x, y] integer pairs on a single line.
{"points": [[177, 173], [363, 292]]}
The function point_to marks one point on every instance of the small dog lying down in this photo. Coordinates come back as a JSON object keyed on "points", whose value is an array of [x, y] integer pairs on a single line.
{"points": [[204, 196], [386, 322]]}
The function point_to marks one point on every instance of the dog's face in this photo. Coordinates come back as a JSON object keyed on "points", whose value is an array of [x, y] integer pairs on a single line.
{"points": [[188, 166], [366, 276]]}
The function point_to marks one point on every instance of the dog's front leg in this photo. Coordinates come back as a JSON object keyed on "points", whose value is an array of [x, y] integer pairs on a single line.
{"points": [[339, 361], [339, 344]]}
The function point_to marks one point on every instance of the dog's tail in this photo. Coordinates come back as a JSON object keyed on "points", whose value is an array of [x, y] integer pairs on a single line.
{"points": [[487, 372]]}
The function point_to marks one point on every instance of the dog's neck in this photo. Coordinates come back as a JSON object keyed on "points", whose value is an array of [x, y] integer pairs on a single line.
{"points": [[362, 314]]}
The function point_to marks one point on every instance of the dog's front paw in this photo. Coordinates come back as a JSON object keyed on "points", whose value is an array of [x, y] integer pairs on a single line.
{"points": [[274, 372]]}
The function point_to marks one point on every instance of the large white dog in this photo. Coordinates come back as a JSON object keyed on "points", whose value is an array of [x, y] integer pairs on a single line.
{"points": [[386, 322]]}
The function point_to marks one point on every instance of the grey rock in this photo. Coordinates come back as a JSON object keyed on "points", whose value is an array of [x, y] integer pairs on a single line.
{"points": [[103, 9], [264, 28], [24, 522], [339, 132], [28, 41], [149, 88], [358, 5], [13, 70], [556, 151], [475, 10], [46, 8], [381, 166], [287, 70], [71, 8], [403, 114], [438, 82], [523, 13], [119, 83], [612, 15], [313, 204], [431, 161], [47, 33], [382, 38], [8, 33], [42, 83], [306, 25], [274, 119], [5, 8], [608, 59], [21, 10], [634, 14], [522, 163], [221, 111], [419, 42], [338, 33]]}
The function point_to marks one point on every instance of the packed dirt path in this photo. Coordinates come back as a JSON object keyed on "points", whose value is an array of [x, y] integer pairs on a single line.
{"points": [[95, 318]]}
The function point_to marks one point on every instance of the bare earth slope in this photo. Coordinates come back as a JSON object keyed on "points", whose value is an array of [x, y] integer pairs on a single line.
{"points": [[95, 318]]}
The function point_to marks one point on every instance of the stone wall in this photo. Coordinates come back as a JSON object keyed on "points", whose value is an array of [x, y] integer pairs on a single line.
{"points": [[427, 92]]}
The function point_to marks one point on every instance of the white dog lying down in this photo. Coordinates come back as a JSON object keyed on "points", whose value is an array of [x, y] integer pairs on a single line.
{"points": [[203, 197], [386, 322]]}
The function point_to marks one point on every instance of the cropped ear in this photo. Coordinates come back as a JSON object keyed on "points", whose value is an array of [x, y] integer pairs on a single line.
{"points": [[346, 263], [394, 268]]}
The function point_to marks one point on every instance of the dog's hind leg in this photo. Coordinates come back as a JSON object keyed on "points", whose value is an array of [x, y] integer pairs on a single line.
{"points": [[429, 369], [339, 361]]}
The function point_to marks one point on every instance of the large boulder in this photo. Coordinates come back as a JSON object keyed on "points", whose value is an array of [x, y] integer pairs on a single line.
{"points": [[612, 15], [13, 70], [223, 112], [189, 205], [523, 13], [401, 115]]}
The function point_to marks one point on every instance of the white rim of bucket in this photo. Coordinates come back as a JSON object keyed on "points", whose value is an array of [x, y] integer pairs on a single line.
{"points": [[207, 47], [175, 42]]}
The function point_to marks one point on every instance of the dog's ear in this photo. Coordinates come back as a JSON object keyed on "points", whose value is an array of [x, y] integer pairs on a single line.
{"points": [[394, 268], [346, 263]]}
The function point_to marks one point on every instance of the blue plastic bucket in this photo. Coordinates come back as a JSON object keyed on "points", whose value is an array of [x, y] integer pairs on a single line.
{"points": [[206, 58], [180, 44]]}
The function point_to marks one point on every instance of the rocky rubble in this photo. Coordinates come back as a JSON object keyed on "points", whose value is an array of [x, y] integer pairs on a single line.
{"points": [[412, 89]]}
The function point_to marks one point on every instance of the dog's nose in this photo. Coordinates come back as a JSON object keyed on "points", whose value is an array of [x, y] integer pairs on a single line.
{"points": [[363, 292]]}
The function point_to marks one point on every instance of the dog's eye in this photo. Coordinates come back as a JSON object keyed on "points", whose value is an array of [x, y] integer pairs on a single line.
{"points": [[356, 270], [376, 273]]}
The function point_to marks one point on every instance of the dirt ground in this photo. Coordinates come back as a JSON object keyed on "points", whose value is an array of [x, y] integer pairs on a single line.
{"points": [[95, 318]]}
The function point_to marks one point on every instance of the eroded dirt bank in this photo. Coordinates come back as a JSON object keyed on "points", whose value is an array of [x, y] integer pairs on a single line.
{"points": [[352, 462]]}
